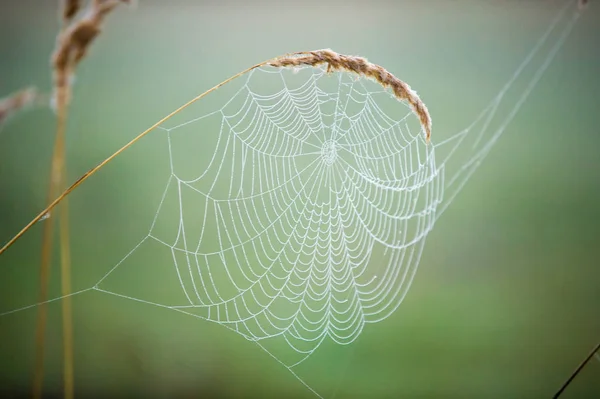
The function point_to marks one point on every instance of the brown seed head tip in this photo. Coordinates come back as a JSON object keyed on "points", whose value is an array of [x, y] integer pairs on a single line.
{"points": [[73, 43], [361, 67], [582, 4], [69, 9]]}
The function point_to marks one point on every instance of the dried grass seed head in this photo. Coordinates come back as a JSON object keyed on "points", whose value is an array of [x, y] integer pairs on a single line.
{"points": [[74, 42], [70, 8], [362, 67]]}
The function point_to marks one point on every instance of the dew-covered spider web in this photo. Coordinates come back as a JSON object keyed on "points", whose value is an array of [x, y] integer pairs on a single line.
{"points": [[296, 211]]}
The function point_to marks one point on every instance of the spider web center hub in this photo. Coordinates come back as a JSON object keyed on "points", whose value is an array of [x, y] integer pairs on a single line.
{"points": [[329, 152]]}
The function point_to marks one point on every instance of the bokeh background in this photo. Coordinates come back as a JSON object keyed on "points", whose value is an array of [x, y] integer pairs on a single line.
{"points": [[506, 301]]}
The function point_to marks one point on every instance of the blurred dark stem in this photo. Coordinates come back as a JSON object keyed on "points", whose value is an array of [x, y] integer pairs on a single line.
{"points": [[577, 371]]}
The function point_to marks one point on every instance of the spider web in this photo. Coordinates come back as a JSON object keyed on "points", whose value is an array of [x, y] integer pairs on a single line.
{"points": [[308, 219], [302, 212]]}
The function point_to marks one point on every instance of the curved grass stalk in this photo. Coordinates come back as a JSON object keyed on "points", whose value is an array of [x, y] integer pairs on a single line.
{"points": [[335, 61]]}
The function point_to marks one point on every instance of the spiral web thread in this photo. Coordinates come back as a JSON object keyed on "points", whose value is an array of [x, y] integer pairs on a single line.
{"points": [[308, 219]]}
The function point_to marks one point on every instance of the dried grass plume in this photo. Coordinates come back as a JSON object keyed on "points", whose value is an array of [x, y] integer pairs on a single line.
{"points": [[360, 66], [74, 42], [69, 9]]}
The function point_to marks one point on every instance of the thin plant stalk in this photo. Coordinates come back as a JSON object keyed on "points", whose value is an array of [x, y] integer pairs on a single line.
{"points": [[63, 94], [65, 252], [40, 332], [57, 166], [73, 42], [577, 371], [67, 313], [57, 183], [62, 97]]}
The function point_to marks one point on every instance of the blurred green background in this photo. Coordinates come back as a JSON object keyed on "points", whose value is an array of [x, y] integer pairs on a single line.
{"points": [[506, 300]]}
